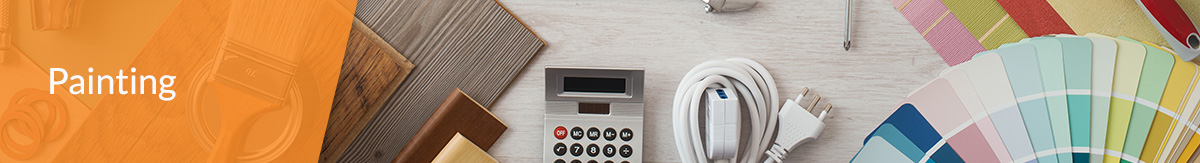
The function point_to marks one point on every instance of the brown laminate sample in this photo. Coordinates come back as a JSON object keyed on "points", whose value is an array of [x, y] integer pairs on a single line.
{"points": [[371, 72], [459, 114]]}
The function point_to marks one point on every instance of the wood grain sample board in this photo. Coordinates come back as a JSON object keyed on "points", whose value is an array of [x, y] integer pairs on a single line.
{"points": [[475, 45], [458, 114], [461, 149], [371, 72]]}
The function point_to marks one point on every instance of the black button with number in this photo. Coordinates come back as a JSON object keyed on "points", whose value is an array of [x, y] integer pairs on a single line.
{"points": [[593, 133], [600, 146], [560, 149], [626, 151], [610, 150], [593, 150], [576, 149], [577, 133], [610, 134], [626, 134]]}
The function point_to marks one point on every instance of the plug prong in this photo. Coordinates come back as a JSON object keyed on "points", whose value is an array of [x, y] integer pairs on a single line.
{"points": [[804, 91], [810, 106], [825, 112]]}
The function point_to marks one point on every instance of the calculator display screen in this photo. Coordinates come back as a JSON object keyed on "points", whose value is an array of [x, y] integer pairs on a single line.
{"points": [[598, 85], [593, 108]]}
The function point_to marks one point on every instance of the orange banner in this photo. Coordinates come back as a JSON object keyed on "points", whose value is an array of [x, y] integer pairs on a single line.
{"points": [[168, 80]]}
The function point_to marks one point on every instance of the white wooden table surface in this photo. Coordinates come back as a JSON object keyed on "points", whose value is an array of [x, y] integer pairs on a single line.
{"points": [[799, 41]]}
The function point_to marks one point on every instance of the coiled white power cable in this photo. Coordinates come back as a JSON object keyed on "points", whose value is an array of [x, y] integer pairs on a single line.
{"points": [[752, 81], [748, 78]]}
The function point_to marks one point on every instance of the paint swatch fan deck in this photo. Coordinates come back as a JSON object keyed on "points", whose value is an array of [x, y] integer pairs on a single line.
{"points": [[1053, 99]]}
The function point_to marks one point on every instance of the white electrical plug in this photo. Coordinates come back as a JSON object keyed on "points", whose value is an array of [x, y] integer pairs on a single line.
{"points": [[744, 78], [798, 124]]}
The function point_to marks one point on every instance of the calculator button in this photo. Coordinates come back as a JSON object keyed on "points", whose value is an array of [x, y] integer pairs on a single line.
{"points": [[592, 161], [576, 149], [610, 150], [576, 161], [560, 132], [610, 134], [593, 150], [624, 161], [626, 151], [577, 133], [560, 149], [593, 133], [609, 161], [559, 161], [626, 134]]}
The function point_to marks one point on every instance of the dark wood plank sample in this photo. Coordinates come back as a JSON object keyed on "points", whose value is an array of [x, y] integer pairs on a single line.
{"points": [[475, 45], [458, 114], [371, 72]]}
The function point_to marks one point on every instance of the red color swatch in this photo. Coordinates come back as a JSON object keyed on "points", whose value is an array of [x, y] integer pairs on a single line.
{"points": [[1036, 17]]}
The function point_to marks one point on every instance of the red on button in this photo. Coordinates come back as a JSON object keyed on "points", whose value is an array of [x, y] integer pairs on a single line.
{"points": [[560, 132]]}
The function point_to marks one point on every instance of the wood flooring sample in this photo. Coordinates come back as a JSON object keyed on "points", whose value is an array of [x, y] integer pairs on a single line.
{"points": [[458, 115], [460, 149], [371, 72]]}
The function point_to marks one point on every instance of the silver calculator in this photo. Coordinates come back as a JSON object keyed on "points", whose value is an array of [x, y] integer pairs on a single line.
{"points": [[593, 115]]}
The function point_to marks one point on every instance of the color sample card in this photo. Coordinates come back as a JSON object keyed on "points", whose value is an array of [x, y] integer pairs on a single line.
{"points": [[1188, 142], [1021, 65], [1104, 56], [1077, 72], [958, 79], [1180, 129], [1173, 98], [916, 131], [878, 149], [939, 104], [1126, 74], [890, 133], [1155, 71], [991, 82], [1050, 60], [1062, 98]]}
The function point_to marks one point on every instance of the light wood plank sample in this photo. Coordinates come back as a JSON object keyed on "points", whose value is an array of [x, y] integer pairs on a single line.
{"points": [[460, 149]]}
